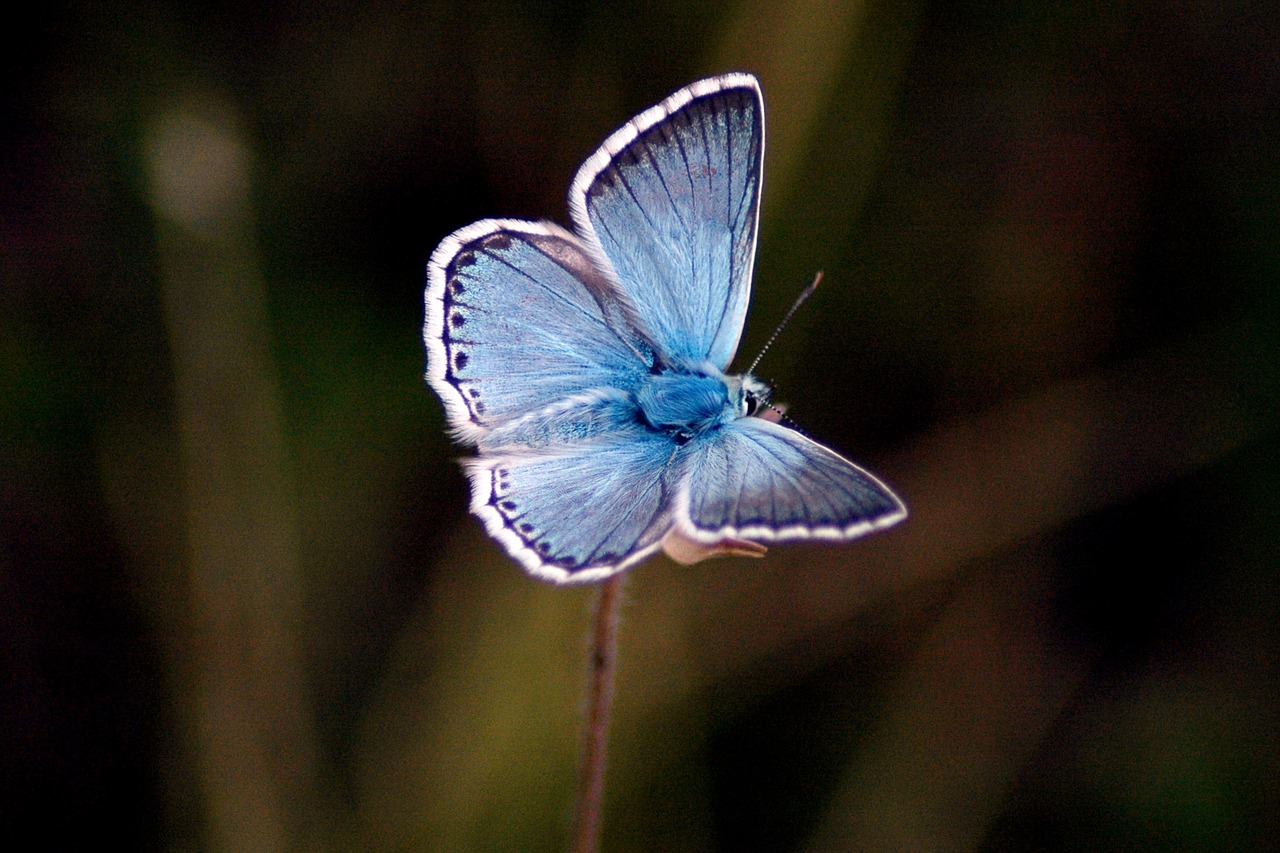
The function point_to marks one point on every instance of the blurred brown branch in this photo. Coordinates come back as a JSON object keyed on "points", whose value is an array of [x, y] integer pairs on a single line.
{"points": [[254, 738]]}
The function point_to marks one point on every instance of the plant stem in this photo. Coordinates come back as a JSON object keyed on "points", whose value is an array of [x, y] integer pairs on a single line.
{"points": [[604, 647]]}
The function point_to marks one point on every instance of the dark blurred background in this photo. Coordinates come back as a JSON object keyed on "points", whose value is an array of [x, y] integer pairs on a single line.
{"points": [[243, 606]]}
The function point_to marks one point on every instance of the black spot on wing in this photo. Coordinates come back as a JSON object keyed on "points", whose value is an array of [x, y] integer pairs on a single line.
{"points": [[529, 534], [499, 241], [462, 260]]}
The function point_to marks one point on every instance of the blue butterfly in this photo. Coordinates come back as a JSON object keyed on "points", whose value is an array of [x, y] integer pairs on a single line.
{"points": [[587, 367]]}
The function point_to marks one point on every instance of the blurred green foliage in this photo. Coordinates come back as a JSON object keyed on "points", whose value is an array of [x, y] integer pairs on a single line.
{"points": [[243, 606]]}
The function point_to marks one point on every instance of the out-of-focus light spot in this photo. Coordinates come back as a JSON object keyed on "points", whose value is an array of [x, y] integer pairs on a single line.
{"points": [[197, 170]]}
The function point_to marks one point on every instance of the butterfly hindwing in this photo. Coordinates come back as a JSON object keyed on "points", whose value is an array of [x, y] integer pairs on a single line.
{"points": [[581, 511], [517, 318], [757, 480], [671, 203]]}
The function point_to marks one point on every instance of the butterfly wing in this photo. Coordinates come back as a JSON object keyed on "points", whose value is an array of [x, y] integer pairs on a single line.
{"points": [[670, 204], [580, 511], [517, 317], [756, 480]]}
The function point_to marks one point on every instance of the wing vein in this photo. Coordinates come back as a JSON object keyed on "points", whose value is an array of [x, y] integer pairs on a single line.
{"points": [[706, 146], [621, 521], [559, 296], [792, 481], [636, 200], [662, 179]]}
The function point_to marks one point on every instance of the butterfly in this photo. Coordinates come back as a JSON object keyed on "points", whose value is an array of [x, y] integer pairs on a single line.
{"points": [[587, 367]]}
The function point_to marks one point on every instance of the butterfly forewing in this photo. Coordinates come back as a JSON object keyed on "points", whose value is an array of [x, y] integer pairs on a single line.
{"points": [[671, 203], [515, 322]]}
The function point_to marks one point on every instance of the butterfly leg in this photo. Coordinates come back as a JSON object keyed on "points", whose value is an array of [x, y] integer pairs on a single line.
{"points": [[682, 549]]}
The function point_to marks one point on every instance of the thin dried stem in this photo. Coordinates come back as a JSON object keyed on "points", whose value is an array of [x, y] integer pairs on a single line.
{"points": [[604, 646]]}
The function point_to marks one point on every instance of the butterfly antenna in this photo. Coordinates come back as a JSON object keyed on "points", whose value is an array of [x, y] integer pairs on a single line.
{"points": [[795, 306], [788, 422]]}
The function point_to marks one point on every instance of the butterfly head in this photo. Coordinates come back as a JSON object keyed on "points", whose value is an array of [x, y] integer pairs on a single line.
{"points": [[752, 394]]}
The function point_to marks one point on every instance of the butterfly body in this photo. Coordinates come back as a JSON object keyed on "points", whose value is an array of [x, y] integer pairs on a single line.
{"points": [[588, 367], [686, 404]]}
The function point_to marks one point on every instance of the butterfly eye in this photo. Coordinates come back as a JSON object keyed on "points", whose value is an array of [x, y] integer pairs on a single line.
{"points": [[750, 403]]}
